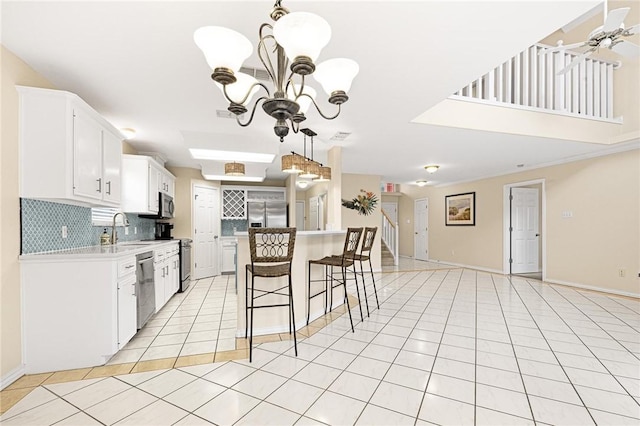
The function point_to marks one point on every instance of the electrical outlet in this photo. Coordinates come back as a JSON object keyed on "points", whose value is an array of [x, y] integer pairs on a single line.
{"points": [[126, 230], [64, 231], [135, 229], [622, 273], [567, 214]]}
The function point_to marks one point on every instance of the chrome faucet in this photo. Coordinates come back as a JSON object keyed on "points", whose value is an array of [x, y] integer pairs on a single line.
{"points": [[114, 234]]}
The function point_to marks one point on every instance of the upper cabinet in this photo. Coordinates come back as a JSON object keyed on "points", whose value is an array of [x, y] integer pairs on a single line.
{"points": [[68, 152], [143, 179]]}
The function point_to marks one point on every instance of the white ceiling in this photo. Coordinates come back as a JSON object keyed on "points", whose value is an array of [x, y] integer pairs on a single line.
{"points": [[136, 63]]}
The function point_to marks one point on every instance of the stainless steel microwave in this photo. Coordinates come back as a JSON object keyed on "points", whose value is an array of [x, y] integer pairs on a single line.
{"points": [[165, 208]]}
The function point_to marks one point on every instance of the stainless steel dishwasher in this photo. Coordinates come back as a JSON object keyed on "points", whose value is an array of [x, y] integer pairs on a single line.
{"points": [[145, 288]]}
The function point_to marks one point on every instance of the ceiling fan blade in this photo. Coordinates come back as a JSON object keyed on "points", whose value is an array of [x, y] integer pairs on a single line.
{"points": [[615, 18], [627, 49], [575, 62], [563, 47], [632, 30]]}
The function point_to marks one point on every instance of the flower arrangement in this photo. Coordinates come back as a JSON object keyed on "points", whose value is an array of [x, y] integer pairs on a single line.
{"points": [[364, 203]]}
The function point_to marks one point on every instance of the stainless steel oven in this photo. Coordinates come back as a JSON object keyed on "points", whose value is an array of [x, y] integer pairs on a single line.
{"points": [[185, 263]]}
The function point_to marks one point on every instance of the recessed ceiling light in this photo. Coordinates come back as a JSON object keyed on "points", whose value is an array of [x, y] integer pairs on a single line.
{"points": [[234, 178], [431, 168], [421, 182], [249, 157], [128, 133]]}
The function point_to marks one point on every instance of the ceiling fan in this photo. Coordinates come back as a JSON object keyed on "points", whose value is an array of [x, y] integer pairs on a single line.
{"points": [[611, 35]]}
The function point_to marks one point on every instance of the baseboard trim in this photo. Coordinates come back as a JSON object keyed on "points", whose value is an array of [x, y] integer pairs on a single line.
{"points": [[462, 265], [593, 288], [12, 376]]}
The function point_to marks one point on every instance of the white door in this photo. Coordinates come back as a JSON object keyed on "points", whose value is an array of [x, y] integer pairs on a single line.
{"points": [[300, 215], [525, 230], [391, 209], [206, 224], [421, 228], [313, 214]]}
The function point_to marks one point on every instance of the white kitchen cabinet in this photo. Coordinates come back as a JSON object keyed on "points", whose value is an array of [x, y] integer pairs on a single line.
{"points": [[228, 255], [166, 274], [142, 180], [167, 184], [77, 151], [127, 300]]}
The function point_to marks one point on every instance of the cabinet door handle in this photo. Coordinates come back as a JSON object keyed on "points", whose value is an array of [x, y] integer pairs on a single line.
{"points": [[109, 188], [133, 288], [99, 185]]}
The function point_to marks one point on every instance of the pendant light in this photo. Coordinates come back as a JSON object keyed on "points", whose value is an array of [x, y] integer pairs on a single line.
{"points": [[234, 169]]}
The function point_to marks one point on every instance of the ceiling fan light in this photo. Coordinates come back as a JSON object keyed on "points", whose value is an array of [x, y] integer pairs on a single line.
{"points": [[302, 34], [238, 90], [223, 47], [234, 169], [292, 163], [303, 101], [336, 74], [421, 182]]}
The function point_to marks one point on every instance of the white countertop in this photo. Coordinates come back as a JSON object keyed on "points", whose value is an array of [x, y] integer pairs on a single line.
{"points": [[303, 233], [108, 252]]}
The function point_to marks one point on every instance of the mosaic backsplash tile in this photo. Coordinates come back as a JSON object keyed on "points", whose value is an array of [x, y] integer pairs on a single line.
{"points": [[229, 226], [42, 223]]}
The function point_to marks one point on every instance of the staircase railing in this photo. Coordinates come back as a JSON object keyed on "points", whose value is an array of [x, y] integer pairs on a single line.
{"points": [[530, 81], [390, 235]]}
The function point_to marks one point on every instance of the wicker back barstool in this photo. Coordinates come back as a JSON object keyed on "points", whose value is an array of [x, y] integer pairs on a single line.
{"points": [[271, 256], [342, 261], [368, 238]]}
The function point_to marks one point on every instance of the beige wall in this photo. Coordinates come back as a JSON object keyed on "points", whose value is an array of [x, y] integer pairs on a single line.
{"points": [[351, 186], [185, 178], [602, 237], [14, 72]]}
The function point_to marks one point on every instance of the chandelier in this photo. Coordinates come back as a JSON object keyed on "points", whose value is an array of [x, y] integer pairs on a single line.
{"points": [[288, 50], [305, 166]]}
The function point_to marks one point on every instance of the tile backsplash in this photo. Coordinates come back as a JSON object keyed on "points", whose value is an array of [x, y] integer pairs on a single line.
{"points": [[229, 226], [42, 222]]}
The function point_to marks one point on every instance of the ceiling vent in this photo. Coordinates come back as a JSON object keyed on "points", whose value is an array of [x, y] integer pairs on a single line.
{"points": [[257, 73], [339, 136], [223, 113]]}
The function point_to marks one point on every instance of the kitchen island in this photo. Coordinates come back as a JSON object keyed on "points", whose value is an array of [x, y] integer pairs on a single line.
{"points": [[309, 245]]}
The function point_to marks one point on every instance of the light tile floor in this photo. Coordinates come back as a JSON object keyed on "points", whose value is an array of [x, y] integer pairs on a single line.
{"points": [[447, 346], [201, 320]]}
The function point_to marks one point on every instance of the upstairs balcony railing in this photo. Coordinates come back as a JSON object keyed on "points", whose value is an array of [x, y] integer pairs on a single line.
{"points": [[530, 80]]}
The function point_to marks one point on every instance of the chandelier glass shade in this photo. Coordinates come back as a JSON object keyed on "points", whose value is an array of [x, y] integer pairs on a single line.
{"points": [[234, 169], [288, 50]]}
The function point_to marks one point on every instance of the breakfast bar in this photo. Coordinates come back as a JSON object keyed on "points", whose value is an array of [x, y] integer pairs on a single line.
{"points": [[308, 245]]}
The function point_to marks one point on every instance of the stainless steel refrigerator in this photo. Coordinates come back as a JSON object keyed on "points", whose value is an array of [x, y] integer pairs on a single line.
{"points": [[269, 214]]}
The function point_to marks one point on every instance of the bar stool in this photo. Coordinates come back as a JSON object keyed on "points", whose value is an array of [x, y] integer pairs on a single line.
{"points": [[271, 255], [365, 255], [342, 261]]}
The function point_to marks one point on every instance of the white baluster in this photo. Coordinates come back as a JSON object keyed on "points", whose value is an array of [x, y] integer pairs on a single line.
{"points": [[479, 88], [609, 90], [575, 89], [582, 87], [516, 80], [603, 90], [589, 85], [558, 90], [525, 78], [500, 83], [508, 92], [596, 88], [533, 54], [490, 92]]}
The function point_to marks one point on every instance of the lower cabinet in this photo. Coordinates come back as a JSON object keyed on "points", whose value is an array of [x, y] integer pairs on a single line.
{"points": [[166, 274], [77, 312], [127, 309], [228, 255]]}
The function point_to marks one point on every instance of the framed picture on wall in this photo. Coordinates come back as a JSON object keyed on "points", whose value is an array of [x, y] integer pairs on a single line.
{"points": [[460, 209]]}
